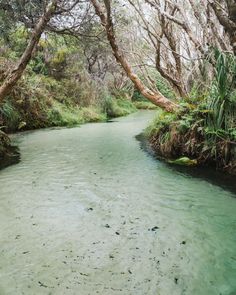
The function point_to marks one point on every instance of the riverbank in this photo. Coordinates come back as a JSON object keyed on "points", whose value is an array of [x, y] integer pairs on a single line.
{"points": [[17, 118], [184, 138], [9, 154], [203, 172]]}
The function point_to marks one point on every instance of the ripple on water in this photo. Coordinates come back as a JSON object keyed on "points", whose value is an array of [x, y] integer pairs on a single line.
{"points": [[87, 212]]}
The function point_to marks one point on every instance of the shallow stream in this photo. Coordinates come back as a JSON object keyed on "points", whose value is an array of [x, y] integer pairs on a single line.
{"points": [[87, 211]]}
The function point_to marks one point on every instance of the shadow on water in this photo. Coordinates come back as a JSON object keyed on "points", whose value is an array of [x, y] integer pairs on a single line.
{"points": [[10, 157], [221, 179]]}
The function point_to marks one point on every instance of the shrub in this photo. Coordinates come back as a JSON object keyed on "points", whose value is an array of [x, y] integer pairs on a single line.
{"points": [[117, 107]]}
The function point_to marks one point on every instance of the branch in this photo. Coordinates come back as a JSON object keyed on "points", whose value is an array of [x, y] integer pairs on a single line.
{"points": [[106, 19]]}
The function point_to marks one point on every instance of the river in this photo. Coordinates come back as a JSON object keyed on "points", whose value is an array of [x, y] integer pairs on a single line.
{"points": [[87, 211]]}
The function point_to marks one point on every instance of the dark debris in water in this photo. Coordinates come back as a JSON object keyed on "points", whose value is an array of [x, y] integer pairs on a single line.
{"points": [[42, 285], [153, 228], [84, 274], [111, 256]]}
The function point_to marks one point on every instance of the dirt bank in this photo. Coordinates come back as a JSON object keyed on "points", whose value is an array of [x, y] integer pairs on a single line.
{"points": [[9, 154]]}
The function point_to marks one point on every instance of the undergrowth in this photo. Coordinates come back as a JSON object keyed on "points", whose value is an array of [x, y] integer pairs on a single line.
{"points": [[40, 101], [202, 129], [118, 107]]}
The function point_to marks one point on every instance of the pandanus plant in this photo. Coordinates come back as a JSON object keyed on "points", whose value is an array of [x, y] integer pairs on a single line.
{"points": [[222, 99]]}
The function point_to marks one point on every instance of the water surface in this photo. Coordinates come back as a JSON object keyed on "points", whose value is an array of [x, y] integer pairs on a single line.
{"points": [[87, 211]]}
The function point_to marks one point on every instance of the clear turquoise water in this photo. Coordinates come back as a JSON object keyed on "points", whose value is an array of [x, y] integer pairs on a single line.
{"points": [[78, 215]]}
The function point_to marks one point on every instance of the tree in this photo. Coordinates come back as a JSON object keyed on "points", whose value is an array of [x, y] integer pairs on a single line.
{"points": [[15, 74], [175, 37], [154, 96], [181, 36], [226, 14]]}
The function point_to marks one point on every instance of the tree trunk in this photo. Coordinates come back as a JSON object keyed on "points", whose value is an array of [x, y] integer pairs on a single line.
{"points": [[227, 21], [155, 97], [231, 4], [16, 73]]}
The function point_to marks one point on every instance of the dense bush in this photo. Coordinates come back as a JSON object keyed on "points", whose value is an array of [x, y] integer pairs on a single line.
{"points": [[56, 89], [203, 129]]}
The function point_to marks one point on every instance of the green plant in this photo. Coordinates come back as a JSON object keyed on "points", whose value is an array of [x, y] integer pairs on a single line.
{"points": [[222, 98], [10, 115], [145, 105], [161, 122], [117, 107]]}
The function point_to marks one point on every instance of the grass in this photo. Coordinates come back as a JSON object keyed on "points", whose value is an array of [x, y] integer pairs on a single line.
{"points": [[145, 105], [61, 115], [161, 121], [187, 134], [39, 100], [10, 114], [118, 107]]}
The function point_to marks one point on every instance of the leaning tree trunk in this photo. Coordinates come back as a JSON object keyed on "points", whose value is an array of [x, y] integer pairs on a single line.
{"points": [[155, 97], [16, 73], [227, 21]]}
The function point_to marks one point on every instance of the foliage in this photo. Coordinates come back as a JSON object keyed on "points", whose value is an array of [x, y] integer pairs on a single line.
{"points": [[164, 87], [60, 115], [116, 107], [10, 115], [161, 121], [145, 105], [222, 98], [204, 129], [161, 84], [56, 89]]}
